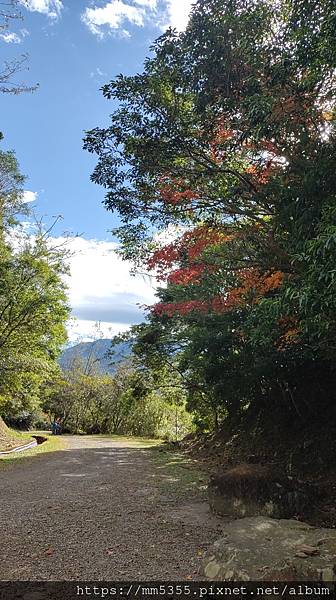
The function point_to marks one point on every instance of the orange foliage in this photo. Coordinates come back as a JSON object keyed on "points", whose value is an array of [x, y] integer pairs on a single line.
{"points": [[190, 246], [221, 135], [262, 174], [163, 259], [182, 308], [254, 285], [291, 332], [202, 237], [175, 191], [186, 275]]}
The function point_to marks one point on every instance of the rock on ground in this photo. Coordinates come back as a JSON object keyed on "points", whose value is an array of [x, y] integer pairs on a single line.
{"points": [[264, 549]]}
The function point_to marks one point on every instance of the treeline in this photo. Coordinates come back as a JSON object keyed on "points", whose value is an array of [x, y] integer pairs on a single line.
{"points": [[225, 144], [129, 402], [33, 302]]}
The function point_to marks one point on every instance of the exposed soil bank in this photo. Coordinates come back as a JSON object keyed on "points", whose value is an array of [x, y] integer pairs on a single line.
{"points": [[8, 439], [307, 454]]}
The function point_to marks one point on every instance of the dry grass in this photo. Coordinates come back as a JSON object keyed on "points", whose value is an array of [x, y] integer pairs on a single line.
{"points": [[52, 444], [10, 439]]}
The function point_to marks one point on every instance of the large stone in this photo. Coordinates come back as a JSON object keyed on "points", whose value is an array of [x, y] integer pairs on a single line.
{"points": [[256, 490], [264, 549]]}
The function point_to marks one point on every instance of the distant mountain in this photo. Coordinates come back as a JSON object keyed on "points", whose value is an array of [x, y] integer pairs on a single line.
{"points": [[95, 353]]}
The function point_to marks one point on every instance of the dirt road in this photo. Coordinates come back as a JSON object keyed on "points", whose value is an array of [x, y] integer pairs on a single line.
{"points": [[103, 510]]}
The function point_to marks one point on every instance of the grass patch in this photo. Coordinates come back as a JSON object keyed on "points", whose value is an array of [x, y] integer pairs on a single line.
{"points": [[133, 441], [179, 476], [52, 444]]}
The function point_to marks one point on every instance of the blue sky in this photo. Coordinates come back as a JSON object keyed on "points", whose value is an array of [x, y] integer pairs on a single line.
{"points": [[74, 47]]}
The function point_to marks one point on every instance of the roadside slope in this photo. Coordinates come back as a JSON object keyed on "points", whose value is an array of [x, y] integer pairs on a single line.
{"points": [[8, 439]]}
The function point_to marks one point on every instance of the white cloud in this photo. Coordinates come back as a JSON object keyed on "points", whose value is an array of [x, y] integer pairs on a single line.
{"points": [[101, 289], [51, 8], [97, 74], [14, 38], [178, 12], [29, 196], [112, 16], [10, 38], [149, 3], [125, 34], [86, 331]]}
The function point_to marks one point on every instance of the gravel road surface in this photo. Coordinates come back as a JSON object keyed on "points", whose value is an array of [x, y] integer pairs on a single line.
{"points": [[102, 510]]}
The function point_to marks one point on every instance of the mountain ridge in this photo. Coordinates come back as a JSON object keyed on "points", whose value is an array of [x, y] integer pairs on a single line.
{"points": [[97, 353]]}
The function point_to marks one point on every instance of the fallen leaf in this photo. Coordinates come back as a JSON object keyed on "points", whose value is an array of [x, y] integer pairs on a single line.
{"points": [[50, 551]]}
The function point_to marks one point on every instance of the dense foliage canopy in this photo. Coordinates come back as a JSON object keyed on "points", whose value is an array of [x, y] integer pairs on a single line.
{"points": [[220, 161], [33, 302]]}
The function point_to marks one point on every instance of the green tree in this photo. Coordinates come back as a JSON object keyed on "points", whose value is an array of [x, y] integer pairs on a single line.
{"points": [[33, 302], [228, 135]]}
